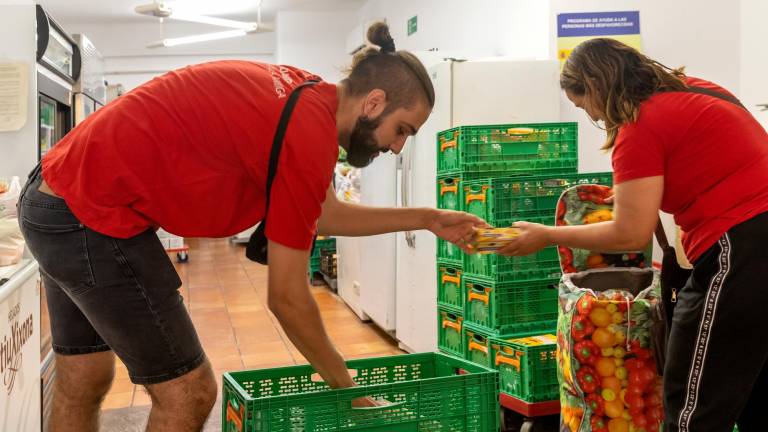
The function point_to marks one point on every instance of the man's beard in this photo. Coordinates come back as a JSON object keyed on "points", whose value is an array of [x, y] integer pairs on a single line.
{"points": [[363, 147]]}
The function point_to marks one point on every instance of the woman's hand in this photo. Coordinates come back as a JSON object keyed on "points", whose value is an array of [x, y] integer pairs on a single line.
{"points": [[532, 238]]}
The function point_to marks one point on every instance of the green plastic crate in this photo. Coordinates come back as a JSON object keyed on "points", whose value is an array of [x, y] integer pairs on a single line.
{"points": [[527, 367], [507, 307], [322, 244], [427, 392], [449, 193], [450, 338], [521, 148], [477, 345], [543, 264], [450, 291], [448, 252], [501, 201]]}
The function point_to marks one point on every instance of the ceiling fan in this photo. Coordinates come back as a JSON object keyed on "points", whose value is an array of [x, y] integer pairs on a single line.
{"points": [[163, 10]]}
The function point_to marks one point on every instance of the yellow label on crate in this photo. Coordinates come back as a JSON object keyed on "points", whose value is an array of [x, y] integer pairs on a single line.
{"points": [[545, 339]]}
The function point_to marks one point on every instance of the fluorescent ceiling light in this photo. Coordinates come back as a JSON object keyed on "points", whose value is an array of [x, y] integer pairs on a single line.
{"points": [[221, 22], [199, 38]]}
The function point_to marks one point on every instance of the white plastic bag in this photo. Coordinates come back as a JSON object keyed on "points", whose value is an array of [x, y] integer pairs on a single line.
{"points": [[9, 197], [11, 241]]}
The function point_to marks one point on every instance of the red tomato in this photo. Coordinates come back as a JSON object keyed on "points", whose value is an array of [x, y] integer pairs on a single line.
{"points": [[653, 400], [636, 380], [639, 421], [634, 389], [634, 401], [647, 375]]}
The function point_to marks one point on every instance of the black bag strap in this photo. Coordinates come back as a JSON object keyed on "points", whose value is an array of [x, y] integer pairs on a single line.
{"points": [[661, 235], [277, 142], [714, 93]]}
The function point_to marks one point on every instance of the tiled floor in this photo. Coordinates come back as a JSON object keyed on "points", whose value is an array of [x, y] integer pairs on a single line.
{"points": [[226, 295]]}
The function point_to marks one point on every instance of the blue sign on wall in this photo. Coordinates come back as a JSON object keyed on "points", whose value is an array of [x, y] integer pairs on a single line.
{"points": [[598, 24]]}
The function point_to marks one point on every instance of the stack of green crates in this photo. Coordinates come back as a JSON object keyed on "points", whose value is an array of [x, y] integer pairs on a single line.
{"points": [[504, 174], [472, 153], [321, 244]]}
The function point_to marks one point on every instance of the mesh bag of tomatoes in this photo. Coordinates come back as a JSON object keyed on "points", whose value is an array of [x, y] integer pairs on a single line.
{"points": [[583, 205], [607, 374]]}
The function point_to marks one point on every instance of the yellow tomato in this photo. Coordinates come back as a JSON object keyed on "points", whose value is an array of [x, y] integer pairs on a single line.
{"points": [[614, 409], [603, 338], [600, 317], [621, 373], [618, 425], [619, 352], [618, 362], [612, 383], [623, 394], [607, 352], [608, 395], [605, 366], [617, 317], [612, 308]]}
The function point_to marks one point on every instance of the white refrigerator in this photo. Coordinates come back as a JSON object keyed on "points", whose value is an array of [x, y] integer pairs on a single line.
{"points": [[488, 91]]}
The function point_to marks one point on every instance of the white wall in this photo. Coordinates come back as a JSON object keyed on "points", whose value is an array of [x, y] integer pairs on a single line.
{"points": [[314, 41], [129, 62], [18, 149], [702, 35], [754, 57], [445, 25]]}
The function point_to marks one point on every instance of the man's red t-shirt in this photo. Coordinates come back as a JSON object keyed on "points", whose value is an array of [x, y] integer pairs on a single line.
{"points": [[713, 156], [188, 151]]}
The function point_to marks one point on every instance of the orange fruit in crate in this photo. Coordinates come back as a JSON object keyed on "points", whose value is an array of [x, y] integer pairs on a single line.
{"points": [[605, 366], [600, 317], [614, 409], [603, 338], [618, 425], [611, 382]]}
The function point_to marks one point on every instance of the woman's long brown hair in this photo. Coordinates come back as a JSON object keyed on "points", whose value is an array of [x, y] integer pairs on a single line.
{"points": [[616, 78]]}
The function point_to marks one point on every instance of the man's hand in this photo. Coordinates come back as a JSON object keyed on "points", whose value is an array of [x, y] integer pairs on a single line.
{"points": [[455, 227], [531, 239]]}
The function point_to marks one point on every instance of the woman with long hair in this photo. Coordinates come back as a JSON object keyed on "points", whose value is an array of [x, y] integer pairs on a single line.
{"points": [[685, 146]]}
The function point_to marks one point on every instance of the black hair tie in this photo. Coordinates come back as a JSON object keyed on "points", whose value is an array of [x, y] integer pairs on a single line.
{"points": [[388, 46]]}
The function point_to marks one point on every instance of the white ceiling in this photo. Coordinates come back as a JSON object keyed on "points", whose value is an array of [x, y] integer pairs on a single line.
{"points": [[123, 10]]}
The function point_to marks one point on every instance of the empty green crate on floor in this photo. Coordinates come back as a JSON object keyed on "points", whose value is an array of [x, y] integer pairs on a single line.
{"points": [[510, 307], [504, 200], [449, 193], [450, 336], [449, 288], [527, 366], [543, 264], [426, 392], [503, 149], [477, 345], [449, 253]]}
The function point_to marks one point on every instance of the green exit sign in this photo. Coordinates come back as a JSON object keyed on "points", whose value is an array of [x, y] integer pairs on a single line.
{"points": [[412, 25]]}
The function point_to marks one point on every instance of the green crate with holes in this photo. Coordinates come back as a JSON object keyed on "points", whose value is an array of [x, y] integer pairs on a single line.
{"points": [[448, 252], [450, 291], [489, 150], [449, 192], [450, 338], [527, 366], [418, 392], [543, 264], [504, 200], [477, 344], [510, 307]]}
